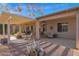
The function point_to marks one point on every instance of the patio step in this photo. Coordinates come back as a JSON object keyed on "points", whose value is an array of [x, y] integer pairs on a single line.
{"points": [[70, 52], [23, 46], [47, 46], [58, 51], [15, 52], [49, 49], [44, 45], [65, 52]]}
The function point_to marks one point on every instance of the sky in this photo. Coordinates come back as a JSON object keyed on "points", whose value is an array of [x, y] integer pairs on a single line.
{"points": [[45, 8]]}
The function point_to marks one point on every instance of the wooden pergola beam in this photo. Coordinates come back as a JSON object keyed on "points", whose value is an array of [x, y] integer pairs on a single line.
{"points": [[15, 19]]}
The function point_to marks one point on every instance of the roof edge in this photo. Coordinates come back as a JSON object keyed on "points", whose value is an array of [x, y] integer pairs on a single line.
{"points": [[16, 15], [70, 9]]}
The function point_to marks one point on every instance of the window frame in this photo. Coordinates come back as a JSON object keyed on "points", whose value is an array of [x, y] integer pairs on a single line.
{"points": [[62, 27]]}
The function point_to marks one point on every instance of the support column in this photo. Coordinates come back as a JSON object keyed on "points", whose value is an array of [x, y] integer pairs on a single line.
{"points": [[77, 30], [37, 30], [30, 27], [34, 31], [8, 31], [25, 28], [3, 29], [13, 28], [20, 28]]}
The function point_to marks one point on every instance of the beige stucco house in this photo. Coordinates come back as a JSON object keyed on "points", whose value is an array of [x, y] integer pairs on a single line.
{"points": [[65, 24], [62, 23]]}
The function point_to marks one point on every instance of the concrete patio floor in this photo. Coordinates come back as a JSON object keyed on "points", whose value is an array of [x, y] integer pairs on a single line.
{"points": [[50, 48], [69, 43]]}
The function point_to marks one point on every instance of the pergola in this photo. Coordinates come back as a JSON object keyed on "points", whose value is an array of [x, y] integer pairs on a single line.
{"points": [[6, 18], [15, 19]]}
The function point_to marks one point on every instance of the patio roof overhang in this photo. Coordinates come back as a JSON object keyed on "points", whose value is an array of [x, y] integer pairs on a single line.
{"points": [[65, 13], [32, 22], [15, 19]]}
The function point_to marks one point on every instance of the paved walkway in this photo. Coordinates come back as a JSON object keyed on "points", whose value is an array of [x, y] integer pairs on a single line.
{"points": [[51, 49]]}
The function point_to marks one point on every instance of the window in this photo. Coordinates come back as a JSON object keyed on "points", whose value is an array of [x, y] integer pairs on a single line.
{"points": [[16, 28], [31, 28], [5, 28], [62, 27], [44, 27], [1, 29]]}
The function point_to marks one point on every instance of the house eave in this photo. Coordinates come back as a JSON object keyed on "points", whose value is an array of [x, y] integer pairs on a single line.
{"points": [[72, 10]]}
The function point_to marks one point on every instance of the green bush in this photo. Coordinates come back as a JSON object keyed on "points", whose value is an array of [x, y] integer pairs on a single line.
{"points": [[13, 33]]}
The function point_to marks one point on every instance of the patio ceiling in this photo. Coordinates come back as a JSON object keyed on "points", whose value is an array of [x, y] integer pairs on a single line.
{"points": [[15, 19]]}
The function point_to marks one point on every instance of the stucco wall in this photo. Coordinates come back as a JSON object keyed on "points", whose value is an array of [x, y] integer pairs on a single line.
{"points": [[71, 27]]}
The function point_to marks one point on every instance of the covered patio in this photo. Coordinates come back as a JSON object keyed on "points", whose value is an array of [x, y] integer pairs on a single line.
{"points": [[62, 45], [18, 47], [67, 39], [70, 37], [12, 24]]}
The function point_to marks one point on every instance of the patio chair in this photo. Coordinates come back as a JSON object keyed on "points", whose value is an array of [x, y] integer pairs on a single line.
{"points": [[52, 35], [18, 35], [25, 36], [49, 34]]}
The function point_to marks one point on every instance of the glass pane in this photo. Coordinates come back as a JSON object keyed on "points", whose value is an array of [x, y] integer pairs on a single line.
{"points": [[65, 27], [17, 29], [62, 27], [1, 29], [5, 28], [59, 27]]}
